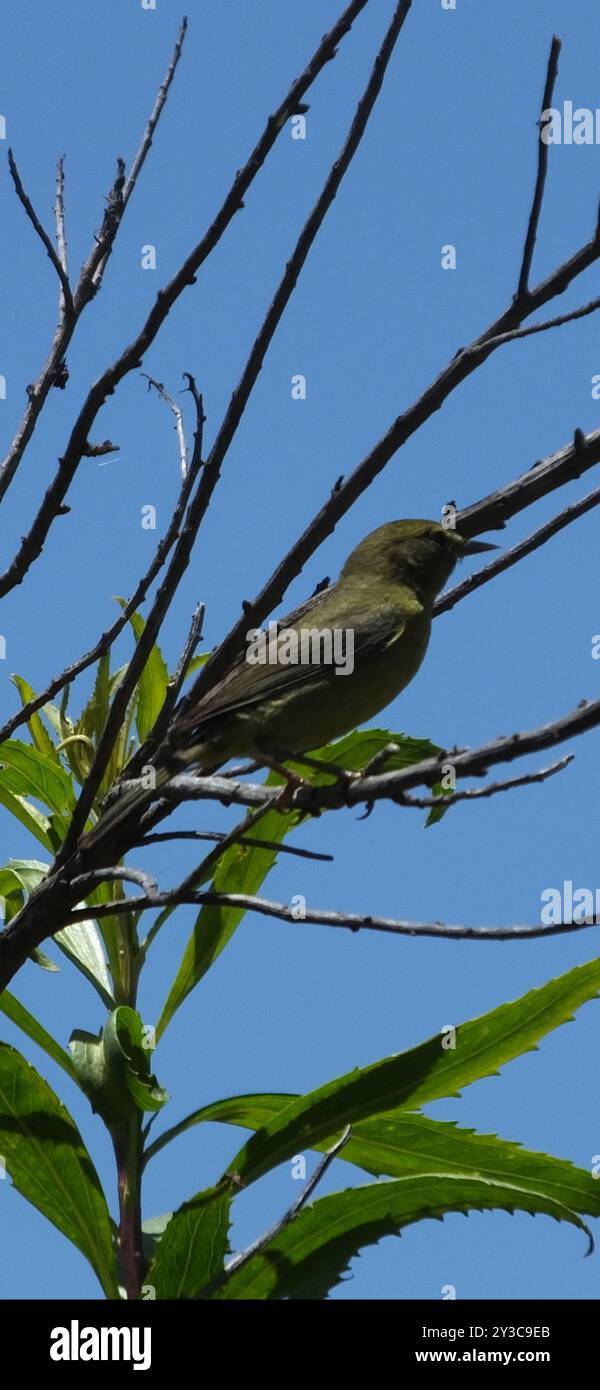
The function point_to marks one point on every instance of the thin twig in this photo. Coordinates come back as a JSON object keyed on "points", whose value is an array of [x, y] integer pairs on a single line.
{"points": [[344, 496], [517, 552], [52, 904], [53, 369], [201, 501], [348, 921], [84, 883], [131, 357], [179, 425], [538, 196], [61, 236], [204, 869], [146, 141], [162, 837], [473, 793], [518, 333], [564, 466], [42, 234], [238, 1261], [110, 635], [174, 686]]}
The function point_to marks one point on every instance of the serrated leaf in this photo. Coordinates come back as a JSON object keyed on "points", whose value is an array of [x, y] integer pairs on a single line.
{"points": [[50, 1165], [424, 1073], [192, 1251], [310, 1255], [399, 1142]]}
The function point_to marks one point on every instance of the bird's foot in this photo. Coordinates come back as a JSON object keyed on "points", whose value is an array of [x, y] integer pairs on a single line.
{"points": [[292, 782]]}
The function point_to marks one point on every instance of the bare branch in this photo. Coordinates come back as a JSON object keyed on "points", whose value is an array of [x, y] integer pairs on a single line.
{"points": [[349, 921], [85, 883], [110, 635], [53, 903], [61, 236], [176, 682], [131, 357], [208, 482], [540, 182], [544, 477], [179, 426], [557, 322], [53, 371], [324, 1164], [473, 793], [203, 871], [518, 552], [42, 234], [279, 847], [345, 494], [146, 141]]}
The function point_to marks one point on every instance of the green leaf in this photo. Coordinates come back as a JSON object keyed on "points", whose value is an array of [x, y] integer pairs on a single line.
{"points": [[399, 1142], [128, 1058], [94, 716], [27, 772], [196, 664], [113, 1067], [251, 1112], [82, 944], [152, 685], [39, 734], [18, 878], [58, 719], [355, 750], [29, 816], [21, 1017], [44, 961], [152, 1233], [50, 1165], [192, 1251], [25, 874], [424, 1073], [89, 1064], [310, 1255]]}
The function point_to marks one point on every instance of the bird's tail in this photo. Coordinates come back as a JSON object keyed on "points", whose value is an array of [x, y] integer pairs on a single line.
{"points": [[127, 804]]}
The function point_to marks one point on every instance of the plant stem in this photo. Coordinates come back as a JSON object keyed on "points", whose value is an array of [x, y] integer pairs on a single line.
{"points": [[127, 1144]]}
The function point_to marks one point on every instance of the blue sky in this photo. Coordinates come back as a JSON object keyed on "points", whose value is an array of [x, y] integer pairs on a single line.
{"points": [[449, 156]]}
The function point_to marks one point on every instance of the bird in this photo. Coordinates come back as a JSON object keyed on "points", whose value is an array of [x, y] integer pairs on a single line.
{"points": [[270, 709]]}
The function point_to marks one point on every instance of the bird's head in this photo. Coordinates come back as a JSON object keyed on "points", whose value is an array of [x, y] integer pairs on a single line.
{"points": [[418, 554]]}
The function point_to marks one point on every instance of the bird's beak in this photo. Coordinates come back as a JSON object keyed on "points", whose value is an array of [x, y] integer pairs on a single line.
{"points": [[478, 547]]}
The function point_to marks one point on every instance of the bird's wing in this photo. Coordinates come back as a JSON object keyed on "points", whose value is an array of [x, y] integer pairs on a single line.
{"points": [[247, 684]]}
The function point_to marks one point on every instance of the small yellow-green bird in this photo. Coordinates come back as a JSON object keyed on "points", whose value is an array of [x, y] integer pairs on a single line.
{"points": [[337, 661]]}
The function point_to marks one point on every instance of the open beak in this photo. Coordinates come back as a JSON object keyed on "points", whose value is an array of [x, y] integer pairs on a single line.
{"points": [[478, 547]]}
